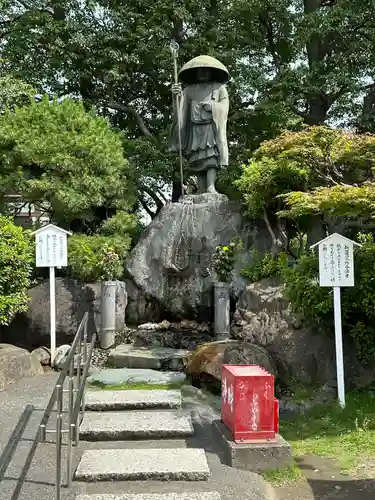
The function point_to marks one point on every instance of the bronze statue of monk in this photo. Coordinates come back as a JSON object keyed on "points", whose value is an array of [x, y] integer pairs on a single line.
{"points": [[202, 118]]}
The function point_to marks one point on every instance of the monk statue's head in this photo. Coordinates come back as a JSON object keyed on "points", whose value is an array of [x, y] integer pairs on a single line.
{"points": [[203, 69], [204, 75]]}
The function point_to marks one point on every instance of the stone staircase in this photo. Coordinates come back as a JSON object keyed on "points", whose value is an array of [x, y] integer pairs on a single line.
{"points": [[113, 417]]}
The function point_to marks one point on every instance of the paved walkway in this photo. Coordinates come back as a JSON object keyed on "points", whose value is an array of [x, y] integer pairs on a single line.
{"points": [[35, 480]]}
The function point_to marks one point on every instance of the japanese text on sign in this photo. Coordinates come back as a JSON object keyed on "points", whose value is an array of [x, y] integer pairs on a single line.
{"points": [[51, 249], [336, 262], [227, 394]]}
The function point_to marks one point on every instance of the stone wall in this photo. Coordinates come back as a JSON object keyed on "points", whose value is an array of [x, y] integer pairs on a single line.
{"points": [[263, 316], [73, 299]]}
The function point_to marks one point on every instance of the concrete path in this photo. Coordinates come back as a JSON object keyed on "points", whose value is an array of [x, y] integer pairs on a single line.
{"points": [[35, 481]]}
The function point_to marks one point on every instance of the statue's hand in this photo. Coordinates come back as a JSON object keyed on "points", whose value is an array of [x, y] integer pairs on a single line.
{"points": [[176, 89], [207, 106]]}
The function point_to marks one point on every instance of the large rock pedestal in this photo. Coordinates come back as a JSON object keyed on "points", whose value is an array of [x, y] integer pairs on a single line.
{"points": [[16, 363], [173, 260]]}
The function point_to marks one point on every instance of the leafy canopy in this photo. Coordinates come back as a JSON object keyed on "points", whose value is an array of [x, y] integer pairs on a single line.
{"points": [[16, 259], [64, 158], [316, 176]]}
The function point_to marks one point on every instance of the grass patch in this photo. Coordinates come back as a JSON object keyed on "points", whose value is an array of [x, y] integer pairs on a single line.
{"points": [[127, 387], [281, 477], [346, 435]]}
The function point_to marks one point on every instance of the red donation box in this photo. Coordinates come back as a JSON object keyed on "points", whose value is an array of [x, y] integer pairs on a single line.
{"points": [[248, 406]]}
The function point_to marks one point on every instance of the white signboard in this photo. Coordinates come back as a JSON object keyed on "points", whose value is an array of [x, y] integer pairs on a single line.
{"points": [[336, 261], [336, 269], [51, 250], [51, 247]]}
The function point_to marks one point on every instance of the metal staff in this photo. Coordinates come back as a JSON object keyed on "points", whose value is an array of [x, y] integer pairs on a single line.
{"points": [[174, 49]]}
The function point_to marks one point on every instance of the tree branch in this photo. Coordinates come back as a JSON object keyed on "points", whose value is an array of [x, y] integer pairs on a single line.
{"points": [[309, 120], [158, 202], [276, 243], [267, 23], [131, 111], [357, 224], [145, 206]]}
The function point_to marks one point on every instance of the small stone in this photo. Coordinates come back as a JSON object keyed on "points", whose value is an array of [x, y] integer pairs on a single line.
{"points": [[164, 325], [60, 356], [43, 354], [149, 326]]}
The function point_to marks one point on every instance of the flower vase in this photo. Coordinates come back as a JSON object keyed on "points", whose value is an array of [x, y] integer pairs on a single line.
{"points": [[108, 314], [222, 310]]}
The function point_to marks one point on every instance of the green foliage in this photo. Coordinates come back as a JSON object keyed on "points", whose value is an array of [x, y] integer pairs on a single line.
{"points": [[263, 180], [121, 223], [224, 259], [97, 257], [302, 288], [14, 92], [358, 303], [264, 266], [64, 158], [293, 62], [336, 201], [110, 265], [16, 260], [310, 172]]}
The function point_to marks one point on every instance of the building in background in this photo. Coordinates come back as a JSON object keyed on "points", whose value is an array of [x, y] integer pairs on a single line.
{"points": [[26, 214]]}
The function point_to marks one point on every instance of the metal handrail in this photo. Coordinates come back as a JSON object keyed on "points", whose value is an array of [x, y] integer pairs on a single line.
{"points": [[78, 358]]}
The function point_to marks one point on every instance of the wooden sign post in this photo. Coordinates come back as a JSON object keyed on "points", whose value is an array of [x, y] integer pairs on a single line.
{"points": [[51, 250], [336, 269]]}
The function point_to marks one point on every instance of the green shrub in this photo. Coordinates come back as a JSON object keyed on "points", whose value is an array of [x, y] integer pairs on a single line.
{"points": [[92, 258], [122, 223], [16, 259], [301, 286], [263, 266]]}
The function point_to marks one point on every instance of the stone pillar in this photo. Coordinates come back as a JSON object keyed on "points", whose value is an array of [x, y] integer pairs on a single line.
{"points": [[121, 303], [222, 310], [108, 314]]}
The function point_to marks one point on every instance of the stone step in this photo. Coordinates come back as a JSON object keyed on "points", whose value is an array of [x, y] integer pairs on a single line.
{"points": [[132, 399], [153, 358], [178, 464], [97, 426], [209, 495], [135, 376]]}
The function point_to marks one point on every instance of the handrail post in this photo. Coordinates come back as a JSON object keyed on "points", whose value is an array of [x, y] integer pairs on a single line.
{"points": [[76, 402], [85, 360], [59, 416], [71, 423], [78, 421]]}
